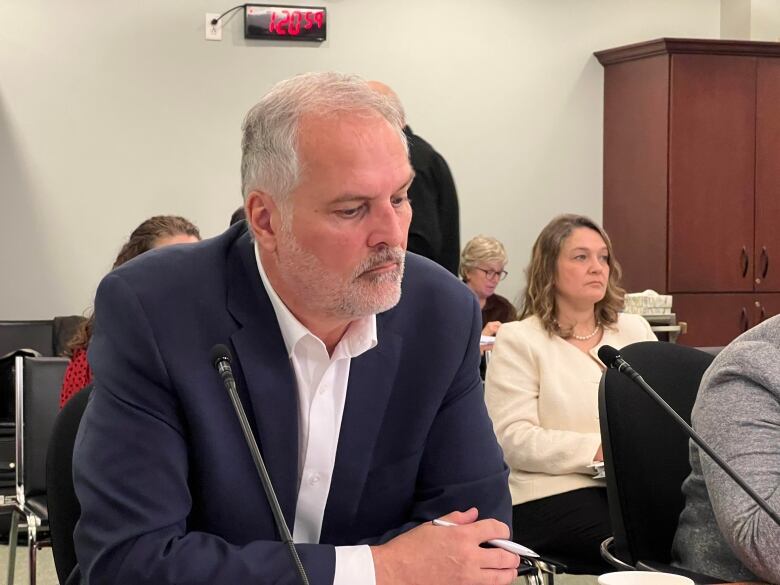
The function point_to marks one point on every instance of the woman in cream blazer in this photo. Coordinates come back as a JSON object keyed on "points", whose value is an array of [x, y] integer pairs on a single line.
{"points": [[542, 386]]}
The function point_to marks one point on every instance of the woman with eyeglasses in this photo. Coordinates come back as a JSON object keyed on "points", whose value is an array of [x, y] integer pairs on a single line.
{"points": [[482, 263], [542, 391]]}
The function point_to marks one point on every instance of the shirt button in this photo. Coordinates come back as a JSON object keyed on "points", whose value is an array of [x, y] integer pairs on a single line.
{"points": [[324, 388], [314, 479]]}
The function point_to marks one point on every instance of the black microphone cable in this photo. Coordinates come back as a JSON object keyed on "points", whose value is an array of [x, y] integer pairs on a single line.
{"points": [[611, 358], [220, 359]]}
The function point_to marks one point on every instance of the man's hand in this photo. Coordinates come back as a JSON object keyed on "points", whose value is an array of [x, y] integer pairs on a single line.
{"points": [[432, 555]]}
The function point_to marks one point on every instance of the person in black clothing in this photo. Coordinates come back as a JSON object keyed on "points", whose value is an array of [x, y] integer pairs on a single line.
{"points": [[435, 229]]}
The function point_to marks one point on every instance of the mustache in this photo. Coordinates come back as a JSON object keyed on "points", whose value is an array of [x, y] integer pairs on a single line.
{"points": [[385, 256]]}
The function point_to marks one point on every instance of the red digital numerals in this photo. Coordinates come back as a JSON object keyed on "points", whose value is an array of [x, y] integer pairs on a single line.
{"points": [[291, 23]]}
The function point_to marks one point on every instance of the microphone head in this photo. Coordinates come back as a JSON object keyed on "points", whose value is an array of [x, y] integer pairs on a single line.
{"points": [[609, 355], [220, 353]]}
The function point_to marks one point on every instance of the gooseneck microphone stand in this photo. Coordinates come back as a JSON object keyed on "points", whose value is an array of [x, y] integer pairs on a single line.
{"points": [[220, 358], [611, 358]]}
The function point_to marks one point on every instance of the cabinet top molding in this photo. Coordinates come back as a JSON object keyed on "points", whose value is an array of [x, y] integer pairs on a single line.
{"points": [[676, 46]]}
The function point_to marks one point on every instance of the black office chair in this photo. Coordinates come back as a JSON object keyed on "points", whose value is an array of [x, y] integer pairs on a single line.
{"points": [[36, 335], [646, 453], [64, 508], [48, 338], [37, 388]]}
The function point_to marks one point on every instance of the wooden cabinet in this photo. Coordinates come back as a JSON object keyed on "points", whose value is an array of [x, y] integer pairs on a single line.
{"points": [[767, 242], [716, 318], [692, 178]]}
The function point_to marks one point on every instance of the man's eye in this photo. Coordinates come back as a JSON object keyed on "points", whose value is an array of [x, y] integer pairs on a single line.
{"points": [[351, 212], [399, 200]]}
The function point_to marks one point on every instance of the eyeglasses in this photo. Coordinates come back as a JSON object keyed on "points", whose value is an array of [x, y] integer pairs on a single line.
{"points": [[491, 274]]}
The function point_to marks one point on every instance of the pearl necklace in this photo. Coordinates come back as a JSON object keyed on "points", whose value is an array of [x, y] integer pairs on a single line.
{"points": [[589, 336]]}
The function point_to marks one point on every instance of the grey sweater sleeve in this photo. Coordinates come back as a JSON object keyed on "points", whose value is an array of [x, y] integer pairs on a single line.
{"points": [[738, 414]]}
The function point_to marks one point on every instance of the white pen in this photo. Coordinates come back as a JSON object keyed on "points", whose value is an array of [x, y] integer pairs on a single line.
{"points": [[507, 545]]}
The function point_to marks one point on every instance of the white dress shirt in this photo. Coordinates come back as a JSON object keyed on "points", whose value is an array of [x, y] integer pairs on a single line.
{"points": [[322, 381]]}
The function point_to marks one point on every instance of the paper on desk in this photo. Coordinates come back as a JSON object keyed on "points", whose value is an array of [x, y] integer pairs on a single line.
{"points": [[598, 469]]}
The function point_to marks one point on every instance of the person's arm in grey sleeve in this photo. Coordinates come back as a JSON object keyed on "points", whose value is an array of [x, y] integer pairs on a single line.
{"points": [[738, 414]]}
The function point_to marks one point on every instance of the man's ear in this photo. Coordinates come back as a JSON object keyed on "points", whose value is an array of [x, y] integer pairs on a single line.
{"points": [[262, 214]]}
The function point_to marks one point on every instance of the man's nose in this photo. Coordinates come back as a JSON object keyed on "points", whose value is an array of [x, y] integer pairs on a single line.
{"points": [[389, 225]]}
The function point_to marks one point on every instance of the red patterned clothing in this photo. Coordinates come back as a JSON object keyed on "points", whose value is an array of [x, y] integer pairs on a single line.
{"points": [[77, 376]]}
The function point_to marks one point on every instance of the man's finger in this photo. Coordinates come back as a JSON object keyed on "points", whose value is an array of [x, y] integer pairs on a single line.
{"points": [[468, 517], [496, 558], [489, 528], [497, 576]]}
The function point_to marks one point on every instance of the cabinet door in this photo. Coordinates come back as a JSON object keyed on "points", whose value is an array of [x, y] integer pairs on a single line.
{"points": [[711, 173], [714, 319], [767, 305], [767, 242]]}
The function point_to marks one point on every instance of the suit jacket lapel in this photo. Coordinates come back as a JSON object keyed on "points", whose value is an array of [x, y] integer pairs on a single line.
{"points": [[371, 379], [270, 381]]}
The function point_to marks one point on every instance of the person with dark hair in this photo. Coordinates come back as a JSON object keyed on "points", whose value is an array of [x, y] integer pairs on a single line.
{"points": [[155, 232], [542, 386], [435, 228], [366, 403], [238, 215]]}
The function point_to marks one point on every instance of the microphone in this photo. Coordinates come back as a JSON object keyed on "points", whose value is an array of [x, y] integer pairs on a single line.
{"points": [[220, 359], [612, 359]]}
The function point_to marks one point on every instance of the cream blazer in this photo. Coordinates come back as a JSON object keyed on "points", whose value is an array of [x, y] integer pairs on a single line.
{"points": [[542, 395]]}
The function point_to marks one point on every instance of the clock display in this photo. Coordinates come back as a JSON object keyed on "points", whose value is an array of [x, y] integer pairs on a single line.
{"points": [[284, 23]]}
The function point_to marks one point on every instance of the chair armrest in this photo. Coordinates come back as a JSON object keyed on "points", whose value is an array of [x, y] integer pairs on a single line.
{"points": [[606, 554]]}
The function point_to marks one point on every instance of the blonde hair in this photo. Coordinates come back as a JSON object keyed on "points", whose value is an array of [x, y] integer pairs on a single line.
{"points": [[539, 293], [478, 250]]}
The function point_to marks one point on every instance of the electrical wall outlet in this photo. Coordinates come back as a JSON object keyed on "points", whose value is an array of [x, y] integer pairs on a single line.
{"points": [[213, 31]]}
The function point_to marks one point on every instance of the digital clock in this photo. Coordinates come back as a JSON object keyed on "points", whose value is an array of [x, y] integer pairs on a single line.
{"points": [[284, 23]]}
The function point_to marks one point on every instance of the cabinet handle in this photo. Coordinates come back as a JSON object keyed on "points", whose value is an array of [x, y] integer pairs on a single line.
{"points": [[743, 258], [743, 320], [763, 313], [764, 262]]}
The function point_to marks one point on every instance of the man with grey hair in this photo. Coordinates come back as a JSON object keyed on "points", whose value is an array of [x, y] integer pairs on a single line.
{"points": [[357, 364]]}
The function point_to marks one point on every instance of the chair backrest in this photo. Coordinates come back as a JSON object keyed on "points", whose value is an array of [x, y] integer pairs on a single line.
{"points": [[38, 384], [712, 350], [645, 452], [8, 391], [64, 508], [37, 335]]}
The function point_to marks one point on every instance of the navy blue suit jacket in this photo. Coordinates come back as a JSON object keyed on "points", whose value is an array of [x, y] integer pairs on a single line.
{"points": [[168, 489]]}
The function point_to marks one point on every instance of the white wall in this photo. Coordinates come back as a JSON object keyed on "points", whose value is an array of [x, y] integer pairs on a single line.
{"points": [[735, 19], [114, 111], [765, 20]]}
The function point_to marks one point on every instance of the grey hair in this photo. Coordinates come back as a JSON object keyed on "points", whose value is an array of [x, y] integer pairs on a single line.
{"points": [[481, 249], [269, 146]]}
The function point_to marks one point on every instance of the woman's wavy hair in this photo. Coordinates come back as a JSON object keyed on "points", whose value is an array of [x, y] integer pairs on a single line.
{"points": [[143, 239], [539, 293]]}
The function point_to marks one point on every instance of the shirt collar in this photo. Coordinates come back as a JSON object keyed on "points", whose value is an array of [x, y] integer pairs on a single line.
{"points": [[361, 335]]}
